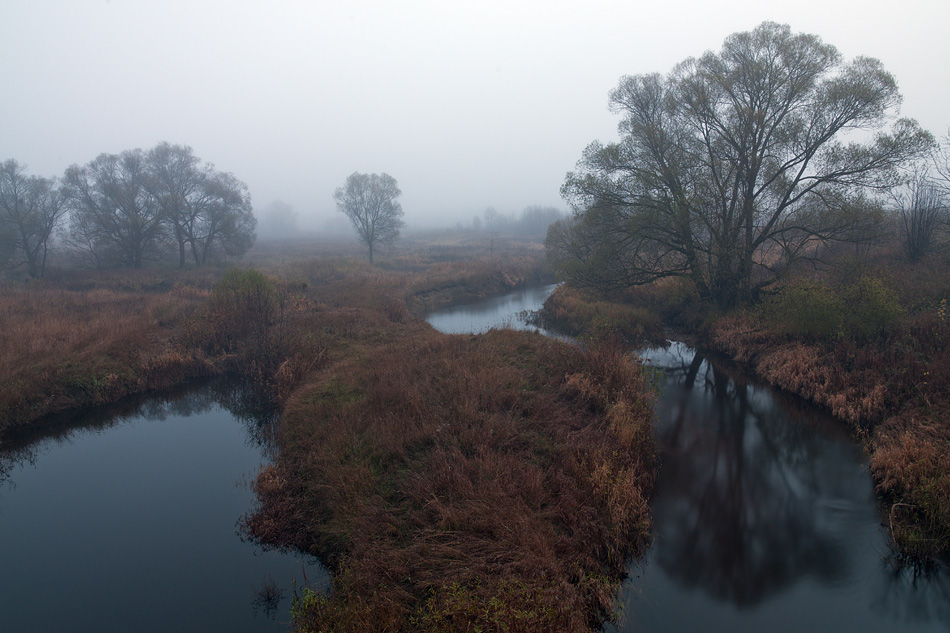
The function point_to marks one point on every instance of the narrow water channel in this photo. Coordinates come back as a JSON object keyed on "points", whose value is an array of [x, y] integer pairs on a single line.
{"points": [[765, 517], [496, 312], [126, 520]]}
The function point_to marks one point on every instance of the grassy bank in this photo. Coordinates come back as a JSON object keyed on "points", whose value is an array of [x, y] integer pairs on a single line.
{"points": [[83, 338], [65, 348], [869, 341], [491, 483], [584, 315], [879, 359]]}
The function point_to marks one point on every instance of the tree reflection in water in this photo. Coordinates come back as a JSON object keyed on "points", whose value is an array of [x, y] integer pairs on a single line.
{"points": [[741, 487], [239, 397], [764, 507]]}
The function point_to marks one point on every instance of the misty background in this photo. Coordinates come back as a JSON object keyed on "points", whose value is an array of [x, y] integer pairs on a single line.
{"points": [[468, 106]]}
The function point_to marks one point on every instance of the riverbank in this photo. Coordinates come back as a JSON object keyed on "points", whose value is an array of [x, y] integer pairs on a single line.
{"points": [[895, 394], [874, 352], [496, 482], [87, 338], [510, 472], [65, 348]]}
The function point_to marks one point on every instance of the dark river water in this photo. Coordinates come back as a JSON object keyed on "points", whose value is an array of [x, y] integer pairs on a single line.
{"points": [[765, 517], [128, 522]]}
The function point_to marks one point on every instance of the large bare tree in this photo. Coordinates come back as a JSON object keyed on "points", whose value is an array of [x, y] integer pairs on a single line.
{"points": [[734, 165], [369, 201], [226, 219], [114, 215], [204, 208], [30, 209], [175, 179]]}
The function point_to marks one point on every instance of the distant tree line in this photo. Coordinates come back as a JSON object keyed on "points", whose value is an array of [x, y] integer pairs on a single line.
{"points": [[533, 221], [125, 210]]}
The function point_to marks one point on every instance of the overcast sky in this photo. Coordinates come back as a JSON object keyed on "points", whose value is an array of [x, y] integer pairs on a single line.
{"points": [[467, 105]]}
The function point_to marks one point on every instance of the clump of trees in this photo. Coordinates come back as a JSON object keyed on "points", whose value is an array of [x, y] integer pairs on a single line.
{"points": [[736, 165], [369, 201], [922, 205], [125, 210], [921, 212], [279, 219]]}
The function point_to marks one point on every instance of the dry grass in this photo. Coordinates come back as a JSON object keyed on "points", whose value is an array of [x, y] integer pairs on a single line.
{"points": [[497, 482], [465, 483], [581, 315], [878, 358], [66, 348]]}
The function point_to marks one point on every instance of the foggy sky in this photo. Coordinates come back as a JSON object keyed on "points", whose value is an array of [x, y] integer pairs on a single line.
{"points": [[467, 105]]}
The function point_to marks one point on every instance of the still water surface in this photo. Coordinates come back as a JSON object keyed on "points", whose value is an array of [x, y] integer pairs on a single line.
{"points": [[765, 517], [496, 312], [128, 522]]}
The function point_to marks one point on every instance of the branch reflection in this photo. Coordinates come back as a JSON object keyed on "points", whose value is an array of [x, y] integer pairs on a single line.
{"points": [[748, 499]]}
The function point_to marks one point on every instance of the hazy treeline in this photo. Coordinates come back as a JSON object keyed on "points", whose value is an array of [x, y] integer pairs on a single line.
{"points": [[533, 221], [124, 210]]}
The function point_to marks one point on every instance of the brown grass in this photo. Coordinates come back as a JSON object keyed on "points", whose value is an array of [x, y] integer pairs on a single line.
{"points": [[892, 384], [65, 348], [583, 315], [497, 482], [465, 483]]}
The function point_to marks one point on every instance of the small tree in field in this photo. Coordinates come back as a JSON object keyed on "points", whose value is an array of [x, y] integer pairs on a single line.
{"points": [[369, 201]]}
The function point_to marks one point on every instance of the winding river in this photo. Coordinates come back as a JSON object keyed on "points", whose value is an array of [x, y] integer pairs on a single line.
{"points": [[765, 516], [125, 519]]}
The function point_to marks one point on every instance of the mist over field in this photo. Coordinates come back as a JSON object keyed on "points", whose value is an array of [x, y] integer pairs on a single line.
{"points": [[419, 265], [466, 106]]}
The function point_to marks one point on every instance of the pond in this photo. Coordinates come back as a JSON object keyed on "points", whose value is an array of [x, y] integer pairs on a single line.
{"points": [[765, 515], [127, 519]]}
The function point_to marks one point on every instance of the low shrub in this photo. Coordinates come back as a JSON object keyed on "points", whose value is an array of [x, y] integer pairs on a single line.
{"points": [[242, 312], [805, 309], [810, 310], [871, 309]]}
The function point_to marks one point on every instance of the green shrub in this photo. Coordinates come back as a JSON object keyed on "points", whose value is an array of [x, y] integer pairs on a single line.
{"points": [[805, 309], [872, 309], [810, 310]]}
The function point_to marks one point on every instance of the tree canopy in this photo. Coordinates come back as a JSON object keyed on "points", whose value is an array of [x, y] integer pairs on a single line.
{"points": [[126, 208], [30, 209], [369, 201], [735, 165]]}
